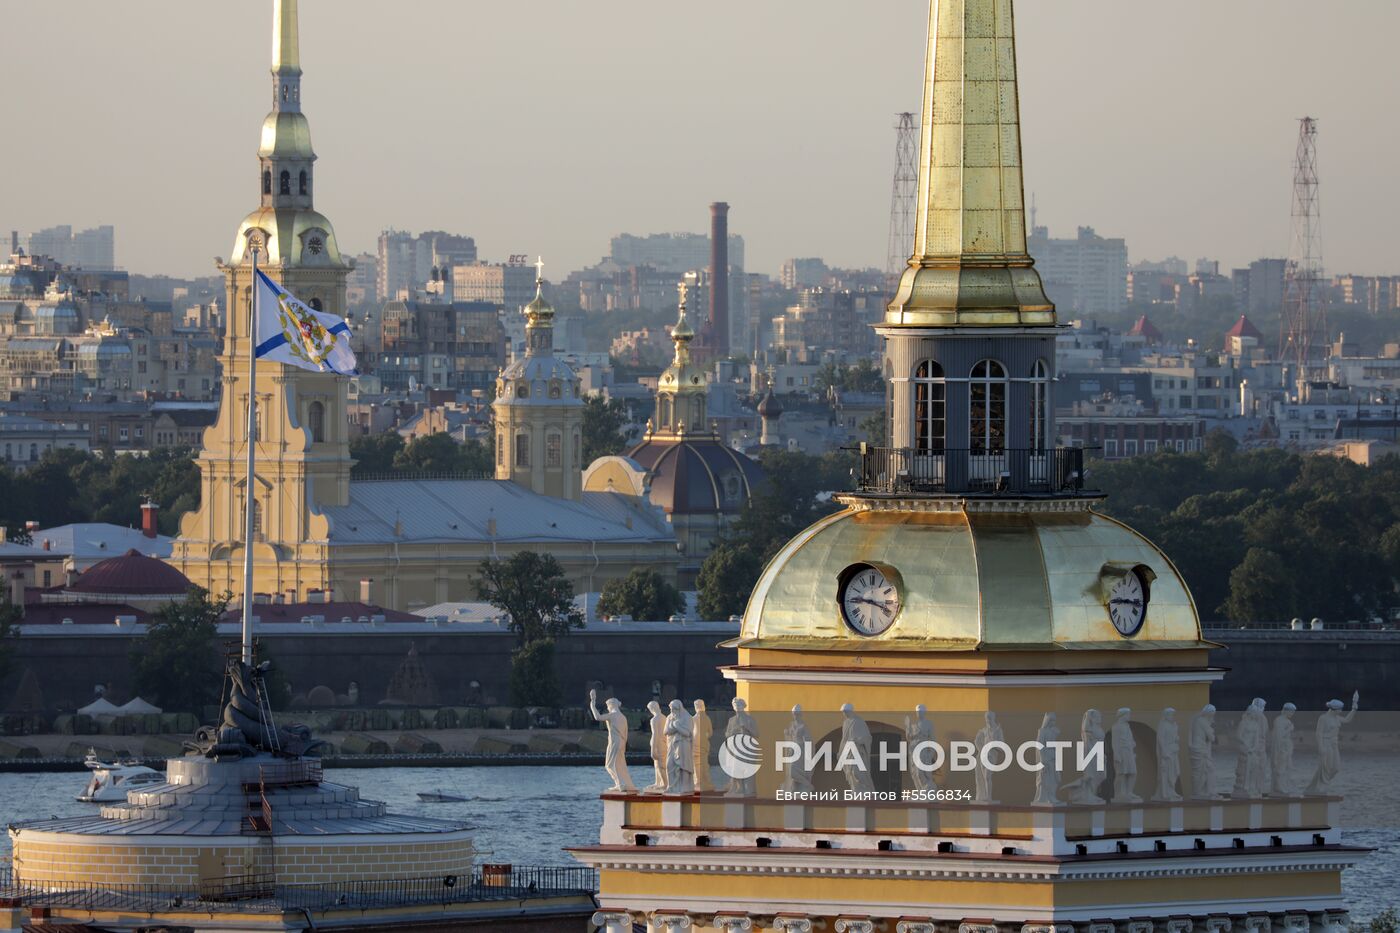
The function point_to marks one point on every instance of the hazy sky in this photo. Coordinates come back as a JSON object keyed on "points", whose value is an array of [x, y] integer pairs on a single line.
{"points": [[547, 126]]}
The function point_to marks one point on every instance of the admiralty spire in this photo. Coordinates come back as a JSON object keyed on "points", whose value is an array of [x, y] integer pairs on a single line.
{"points": [[970, 264]]}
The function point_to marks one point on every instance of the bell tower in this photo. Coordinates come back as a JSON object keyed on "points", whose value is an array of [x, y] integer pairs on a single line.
{"points": [[302, 458], [680, 392]]}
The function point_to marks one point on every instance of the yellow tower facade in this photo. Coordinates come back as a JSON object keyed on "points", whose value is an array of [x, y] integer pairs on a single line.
{"points": [[539, 412], [302, 458], [969, 701]]}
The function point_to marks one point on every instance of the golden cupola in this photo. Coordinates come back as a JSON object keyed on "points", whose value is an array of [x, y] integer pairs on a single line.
{"points": [[681, 389]]}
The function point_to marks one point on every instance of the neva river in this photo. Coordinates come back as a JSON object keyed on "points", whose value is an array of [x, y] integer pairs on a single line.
{"points": [[527, 815]]}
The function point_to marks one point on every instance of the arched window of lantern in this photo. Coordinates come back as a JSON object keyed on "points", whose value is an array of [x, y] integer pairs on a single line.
{"points": [[304, 180], [284, 183], [316, 421], [1039, 420], [267, 181], [987, 408], [930, 407]]}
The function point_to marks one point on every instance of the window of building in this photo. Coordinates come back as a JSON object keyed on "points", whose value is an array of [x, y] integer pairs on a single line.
{"points": [[316, 421], [1130, 448], [500, 450], [267, 182], [140, 433], [123, 434], [930, 407], [1040, 406], [553, 451], [1110, 448], [284, 184], [555, 390], [987, 408], [522, 390], [522, 450], [257, 520], [33, 451], [578, 449], [1149, 446], [303, 182]]}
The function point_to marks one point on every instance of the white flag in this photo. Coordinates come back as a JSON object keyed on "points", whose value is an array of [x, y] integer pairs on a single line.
{"points": [[288, 331]]}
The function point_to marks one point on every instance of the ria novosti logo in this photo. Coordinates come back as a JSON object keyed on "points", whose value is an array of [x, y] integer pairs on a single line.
{"points": [[740, 757]]}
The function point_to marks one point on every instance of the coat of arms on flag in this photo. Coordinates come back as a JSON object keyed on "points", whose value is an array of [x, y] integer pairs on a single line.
{"points": [[290, 331]]}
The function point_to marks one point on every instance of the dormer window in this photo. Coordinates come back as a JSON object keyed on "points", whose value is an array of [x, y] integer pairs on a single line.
{"points": [[522, 390]]}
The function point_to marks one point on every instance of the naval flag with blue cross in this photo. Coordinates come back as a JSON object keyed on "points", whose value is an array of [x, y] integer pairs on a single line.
{"points": [[289, 331]]}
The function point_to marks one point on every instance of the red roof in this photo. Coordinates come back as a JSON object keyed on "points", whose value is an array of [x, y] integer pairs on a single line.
{"points": [[132, 574], [1243, 328], [1145, 328], [83, 613]]}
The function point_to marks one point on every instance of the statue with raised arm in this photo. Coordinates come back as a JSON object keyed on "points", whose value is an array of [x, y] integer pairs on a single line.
{"points": [[798, 779], [855, 750], [1085, 789], [1047, 779], [615, 758], [658, 749], [918, 731], [1168, 757], [680, 754], [990, 732], [1329, 750], [741, 724], [701, 730], [1125, 769], [1281, 753], [1202, 748]]}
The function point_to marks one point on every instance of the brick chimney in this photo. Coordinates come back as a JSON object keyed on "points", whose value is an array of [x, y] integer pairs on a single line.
{"points": [[719, 278], [149, 510]]}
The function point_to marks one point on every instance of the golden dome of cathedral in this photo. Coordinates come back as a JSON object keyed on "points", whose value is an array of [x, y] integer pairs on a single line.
{"points": [[969, 579]]}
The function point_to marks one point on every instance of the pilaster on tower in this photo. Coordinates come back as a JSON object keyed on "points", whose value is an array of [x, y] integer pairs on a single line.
{"points": [[970, 264]]}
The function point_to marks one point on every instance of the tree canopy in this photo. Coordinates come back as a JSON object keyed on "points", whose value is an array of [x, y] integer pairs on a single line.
{"points": [[604, 428], [534, 592], [387, 453], [68, 486], [1267, 535], [643, 594], [176, 665], [863, 376]]}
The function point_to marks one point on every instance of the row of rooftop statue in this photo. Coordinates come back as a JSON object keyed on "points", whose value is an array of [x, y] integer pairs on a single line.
{"points": [[681, 744]]}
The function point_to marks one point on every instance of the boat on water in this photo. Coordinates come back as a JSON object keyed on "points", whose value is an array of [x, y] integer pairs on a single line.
{"points": [[110, 781], [433, 796]]}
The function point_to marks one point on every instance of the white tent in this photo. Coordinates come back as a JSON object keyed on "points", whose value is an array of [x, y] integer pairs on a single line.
{"points": [[137, 707], [100, 707]]}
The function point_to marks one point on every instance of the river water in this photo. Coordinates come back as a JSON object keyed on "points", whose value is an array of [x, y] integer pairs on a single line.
{"points": [[528, 815]]}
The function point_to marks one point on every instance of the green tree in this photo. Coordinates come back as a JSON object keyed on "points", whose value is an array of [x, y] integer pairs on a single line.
{"points": [[176, 664], [642, 594], [1261, 588], [534, 680], [874, 429], [375, 453], [726, 579], [534, 592], [439, 453], [604, 428]]}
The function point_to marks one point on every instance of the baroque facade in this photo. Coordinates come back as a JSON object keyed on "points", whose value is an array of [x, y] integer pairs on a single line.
{"points": [[406, 544]]}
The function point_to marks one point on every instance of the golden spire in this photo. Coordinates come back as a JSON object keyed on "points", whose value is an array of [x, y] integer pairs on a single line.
{"points": [[682, 334], [970, 264], [286, 51]]}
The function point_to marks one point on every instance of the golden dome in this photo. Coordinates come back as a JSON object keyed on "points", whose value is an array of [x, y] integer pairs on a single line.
{"points": [[971, 580]]}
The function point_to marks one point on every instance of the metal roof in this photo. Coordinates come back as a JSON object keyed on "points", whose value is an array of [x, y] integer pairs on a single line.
{"points": [[461, 510]]}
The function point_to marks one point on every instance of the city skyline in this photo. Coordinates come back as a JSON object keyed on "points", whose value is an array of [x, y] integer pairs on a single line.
{"points": [[1172, 169]]}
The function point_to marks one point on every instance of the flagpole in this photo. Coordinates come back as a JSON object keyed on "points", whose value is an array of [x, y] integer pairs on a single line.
{"points": [[248, 500]]}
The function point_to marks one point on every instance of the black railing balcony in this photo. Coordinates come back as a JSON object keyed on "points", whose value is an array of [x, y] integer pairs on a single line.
{"points": [[897, 471]]}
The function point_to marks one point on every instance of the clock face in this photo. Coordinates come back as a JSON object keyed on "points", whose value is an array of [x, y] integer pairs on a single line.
{"points": [[1127, 604], [869, 599]]}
